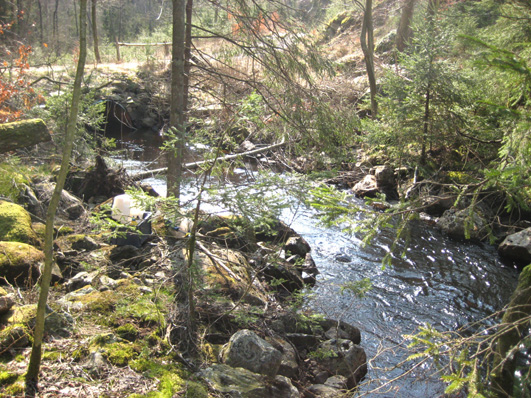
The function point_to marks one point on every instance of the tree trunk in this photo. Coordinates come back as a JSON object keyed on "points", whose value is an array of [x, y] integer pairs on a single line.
{"points": [[426, 125], [36, 353], [404, 32], [55, 25], [41, 27], [514, 325], [95, 32], [367, 46], [23, 134], [177, 111], [187, 53]]}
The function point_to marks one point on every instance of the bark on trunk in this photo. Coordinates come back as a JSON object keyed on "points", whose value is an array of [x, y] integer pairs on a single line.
{"points": [[22, 134], [403, 32], [95, 32], [175, 154], [367, 46], [36, 353]]}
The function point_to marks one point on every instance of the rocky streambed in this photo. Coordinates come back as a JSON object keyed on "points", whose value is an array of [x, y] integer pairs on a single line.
{"points": [[113, 311]]}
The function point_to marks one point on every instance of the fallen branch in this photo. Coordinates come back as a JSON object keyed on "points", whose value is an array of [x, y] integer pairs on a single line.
{"points": [[195, 165]]}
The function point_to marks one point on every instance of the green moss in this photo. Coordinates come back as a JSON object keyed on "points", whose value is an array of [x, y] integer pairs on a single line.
{"points": [[79, 354], [51, 356], [460, 177], [120, 354], [12, 182], [15, 224], [18, 261], [7, 378], [101, 302], [14, 389], [127, 332]]}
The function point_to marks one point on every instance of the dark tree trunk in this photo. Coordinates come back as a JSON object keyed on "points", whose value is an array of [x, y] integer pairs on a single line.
{"points": [[95, 32], [404, 32], [367, 46]]}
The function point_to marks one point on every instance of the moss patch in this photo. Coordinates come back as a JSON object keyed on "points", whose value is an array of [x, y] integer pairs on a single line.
{"points": [[127, 332], [15, 224], [19, 262]]}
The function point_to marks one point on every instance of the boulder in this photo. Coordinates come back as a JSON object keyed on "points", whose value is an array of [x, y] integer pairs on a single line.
{"points": [[380, 180], [14, 336], [242, 383], [462, 224], [15, 224], [289, 365], [19, 263], [247, 350], [344, 358], [6, 302], [340, 330], [69, 207], [367, 187], [85, 243], [285, 275], [517, 247], [297, 245]]}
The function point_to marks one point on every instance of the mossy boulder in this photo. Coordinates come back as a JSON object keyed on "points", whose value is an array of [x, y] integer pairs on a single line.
{"points": [[19, 263], [239, 382], [14, 336], [15, 224]]}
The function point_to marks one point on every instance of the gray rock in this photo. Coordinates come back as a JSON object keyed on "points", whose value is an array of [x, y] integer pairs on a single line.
{"points": [[344, 358], [247, 350], [324, 391], [340, 330], [297, 245], [6, 302], [87, 243], [367, 187], [517, 247], [80, 280], [339, 382], [69, 206], [456, 223], [96, 364], [242, 383], [289, 365]]}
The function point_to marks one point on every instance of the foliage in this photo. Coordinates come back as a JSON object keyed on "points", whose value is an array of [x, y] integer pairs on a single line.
{"points": [[12, 178], [89, 121], [16, 94], [358, 288]]}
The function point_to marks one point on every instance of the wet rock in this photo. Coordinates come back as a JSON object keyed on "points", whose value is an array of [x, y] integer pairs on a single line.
{"points": [[340, 330], [19, 263], [517, 247], [15, 224], [297, 245], [459, 224], [285, 274], [343, 258], [289, 365], [242, 383], [302, 341], [380, 180], [344, 358], [247, 350], [438, 204], [367, 187], [324, 391]]}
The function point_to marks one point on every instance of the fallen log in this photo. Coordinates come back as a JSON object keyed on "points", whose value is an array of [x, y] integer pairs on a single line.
{"points": [[195, 165], [23, 134]]}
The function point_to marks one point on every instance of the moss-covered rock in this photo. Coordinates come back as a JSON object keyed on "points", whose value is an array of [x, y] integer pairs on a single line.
{"points": [[19, 263], [15, 224], [14, 336]]}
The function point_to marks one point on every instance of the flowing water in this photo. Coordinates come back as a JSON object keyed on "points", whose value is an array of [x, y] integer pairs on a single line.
{"points": [[438, 281]]}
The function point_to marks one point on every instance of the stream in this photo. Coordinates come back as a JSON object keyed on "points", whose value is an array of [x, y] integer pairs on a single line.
{"points": [[440, 282]]}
